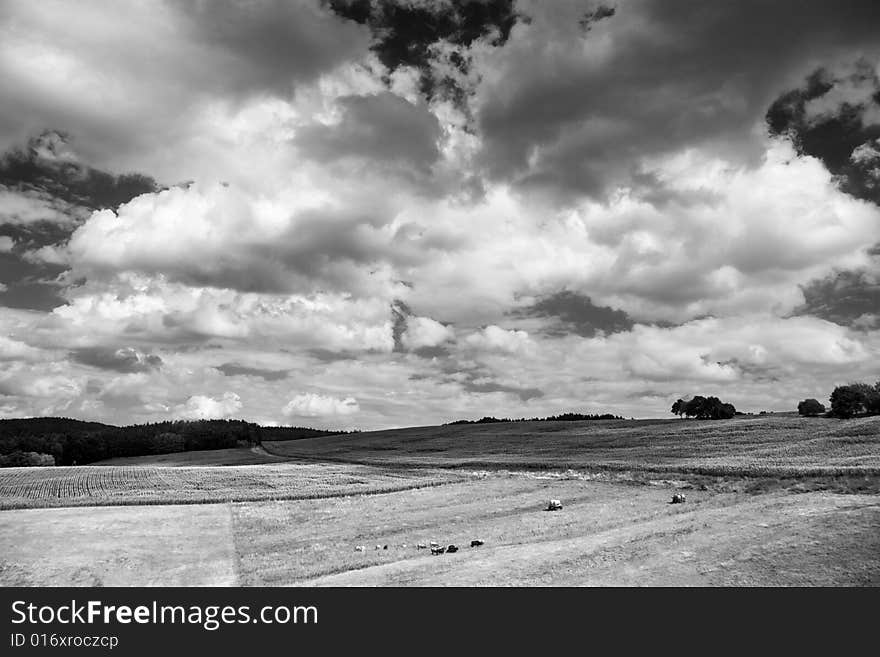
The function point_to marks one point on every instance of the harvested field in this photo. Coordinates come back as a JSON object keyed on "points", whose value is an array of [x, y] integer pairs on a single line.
{"points": [[770, 501], [114, 546], [746, 446]]}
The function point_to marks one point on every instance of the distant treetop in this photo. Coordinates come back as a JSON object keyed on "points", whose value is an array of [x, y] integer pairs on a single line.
{"points": [[563, 417]]}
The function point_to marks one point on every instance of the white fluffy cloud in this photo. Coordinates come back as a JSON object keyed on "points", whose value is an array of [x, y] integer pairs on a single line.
{"points": [[425, 332], [662, 199], [313, 405], [498, 339], [201, 407]]}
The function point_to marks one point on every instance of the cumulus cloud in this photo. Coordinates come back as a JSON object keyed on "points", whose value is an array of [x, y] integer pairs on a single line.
{"points": [[155, 310], [495, 338], [249, 244], [314, 405], [577, 207], [425, 332], [620, 92], [201, 407], [98, 71]]}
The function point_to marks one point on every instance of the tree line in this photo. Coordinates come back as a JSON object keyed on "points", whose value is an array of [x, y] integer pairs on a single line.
{"points": [[562, 417], [72, 442]]}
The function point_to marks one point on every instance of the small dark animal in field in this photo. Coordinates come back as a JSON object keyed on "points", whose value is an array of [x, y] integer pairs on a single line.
{"points": [[384, 547], [452, 548], [476, 542], [554, 505], [704, 487], [437, 550], [678, 498]]}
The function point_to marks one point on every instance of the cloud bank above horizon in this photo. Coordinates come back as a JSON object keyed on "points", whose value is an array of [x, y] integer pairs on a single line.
{"points": [[377, 213]]}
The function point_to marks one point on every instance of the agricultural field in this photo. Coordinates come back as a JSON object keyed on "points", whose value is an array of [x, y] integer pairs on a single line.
{"points": [[750, 445], [232, 456], [22, 488], [770, 500]]}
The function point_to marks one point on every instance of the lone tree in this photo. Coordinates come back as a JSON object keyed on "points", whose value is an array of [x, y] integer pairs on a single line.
{"points": [[810, 407], [706, 408]]}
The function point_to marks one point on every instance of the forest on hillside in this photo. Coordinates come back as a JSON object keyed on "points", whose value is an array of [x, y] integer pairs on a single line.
{"points": [[73, 442]]}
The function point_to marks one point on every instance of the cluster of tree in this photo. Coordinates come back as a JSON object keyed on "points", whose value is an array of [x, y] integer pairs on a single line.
{"points": [[71, 442], [704, 408], [853, 399], [563, 417], [295, 433]]}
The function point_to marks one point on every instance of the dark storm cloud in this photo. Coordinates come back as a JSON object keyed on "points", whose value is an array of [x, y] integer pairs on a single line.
{"points": [[46, 168], [145, 71], [377, 128], [753, 372], [405, 33], [483, 387], [29, 294], [577, 314], [474, 377], [843, 136], [399, 312], [432, 352], [330, 356], [127, 360], [232, 369], [600, 13], [48, 192], [835, 117], [276, 43], [26, 284], [671, 75], [848, 297]]}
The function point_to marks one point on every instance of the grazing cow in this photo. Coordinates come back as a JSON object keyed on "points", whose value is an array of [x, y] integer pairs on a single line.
{"points": [[437, 550], [421, 546], [554, 505], [678, 498], [452, 548], [359, 548], [435, 544], [378, 547], [476, 542]]}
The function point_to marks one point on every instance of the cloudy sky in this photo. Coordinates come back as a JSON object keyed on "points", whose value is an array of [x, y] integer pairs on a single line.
{"points": [[377, 213]]}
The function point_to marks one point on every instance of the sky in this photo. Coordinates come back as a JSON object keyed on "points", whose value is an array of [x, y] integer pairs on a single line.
{"points": [[361, 214]]}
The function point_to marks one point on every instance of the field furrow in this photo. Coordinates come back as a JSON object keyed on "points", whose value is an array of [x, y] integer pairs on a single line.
{"points": [[125, 485]]}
